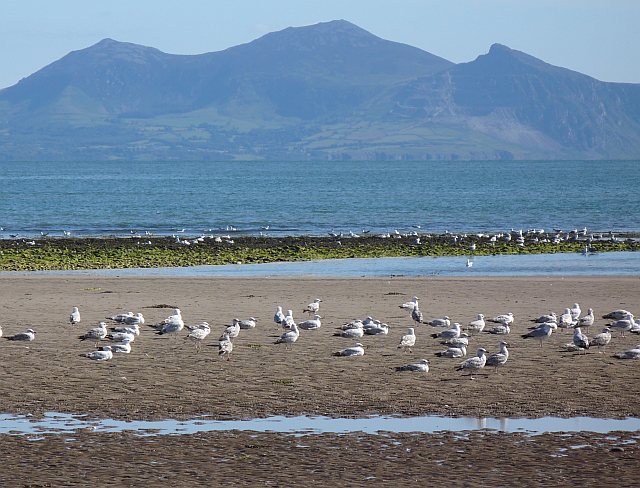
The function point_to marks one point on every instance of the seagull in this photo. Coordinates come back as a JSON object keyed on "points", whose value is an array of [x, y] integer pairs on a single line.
{"points": [[313, 307], [541, 333], [198, 334], [498, 359], [500, 329], [617, 315], [311, 324], [408, 340], [74, 318], [575, 311], [602, 339], [172, 326], [288, 320], [96, 334], [410, 305], [376, 329], [225, 346], [121, 347], [27, 335], [174, 321], [587, 320], [290, 336], [121, 317], [566, 319], [463, 340], [504, 319], [137, 319], [416, 315], [278, 317], [249, 323], [449, 333], [580, 340], [477, 325], [453, 352], [357, 350], [354, 324], [121, 337], [552, 317], [232, 330], [474, 363], [354, 333], [129, 329], [623, 324], [103, 354], [629, 354], [421, 366], [441, 322]]}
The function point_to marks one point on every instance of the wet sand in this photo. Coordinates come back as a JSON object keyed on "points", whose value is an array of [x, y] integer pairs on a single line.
{"points": [[165, 377]]}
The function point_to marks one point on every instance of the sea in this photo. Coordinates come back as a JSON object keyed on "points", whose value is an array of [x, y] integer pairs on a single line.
{"points": [[281, 198]]}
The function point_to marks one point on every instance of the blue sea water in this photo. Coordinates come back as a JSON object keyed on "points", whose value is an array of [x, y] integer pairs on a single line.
{"points": [[293, 198]]}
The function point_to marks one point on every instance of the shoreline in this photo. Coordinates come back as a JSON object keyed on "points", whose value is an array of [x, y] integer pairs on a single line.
{"points": [[266, 379], [69, 253]]}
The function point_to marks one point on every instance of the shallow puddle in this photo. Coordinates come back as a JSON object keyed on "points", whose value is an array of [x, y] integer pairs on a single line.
{"points": [[62, 423]]}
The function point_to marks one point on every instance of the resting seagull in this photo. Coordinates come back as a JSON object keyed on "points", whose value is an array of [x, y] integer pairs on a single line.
{"points": [[290, 336], [96, 334], [602, 339], [421, 366], [477, 325], [453, 352], [357, 350], [580, 340], [629, 354], [311, 324], [28, 335], [103, 354], [410, 305], [449, 333]]}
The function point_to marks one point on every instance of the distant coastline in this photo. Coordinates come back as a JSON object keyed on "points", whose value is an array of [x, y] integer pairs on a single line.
{"points": [[72, 253]]}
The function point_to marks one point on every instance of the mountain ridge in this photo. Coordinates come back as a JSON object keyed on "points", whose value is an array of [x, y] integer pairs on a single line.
{"points": [[326, 91]]}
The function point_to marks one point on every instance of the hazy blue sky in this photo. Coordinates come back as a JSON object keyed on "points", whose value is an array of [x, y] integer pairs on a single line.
{"points": [[600, 38]]}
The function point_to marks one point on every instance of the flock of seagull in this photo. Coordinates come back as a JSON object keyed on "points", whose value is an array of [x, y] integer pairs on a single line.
{"points": [[455, 336]]}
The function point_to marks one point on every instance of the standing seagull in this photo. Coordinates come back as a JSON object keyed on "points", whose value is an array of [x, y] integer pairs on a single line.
{"points": [[575, 311], [198, 334], [408, 340], [587, 320], [225, 347], [602, 339], [498, 359], [580, 340], [475, 363], [313, 307], [278, 317], [74, 318], [541, 333], [416, 315]]}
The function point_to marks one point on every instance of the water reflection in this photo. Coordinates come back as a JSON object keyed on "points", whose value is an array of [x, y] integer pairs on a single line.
{"points": [[62, 423]]}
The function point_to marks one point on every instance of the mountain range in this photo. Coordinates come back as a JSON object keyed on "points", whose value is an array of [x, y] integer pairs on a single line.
{"points": [[326, 91]]}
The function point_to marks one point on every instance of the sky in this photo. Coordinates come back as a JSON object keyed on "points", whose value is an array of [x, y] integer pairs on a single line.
{"points": [[600, 38]]}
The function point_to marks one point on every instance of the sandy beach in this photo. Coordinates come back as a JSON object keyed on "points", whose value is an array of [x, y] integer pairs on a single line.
{"points": [[165, 377]]}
